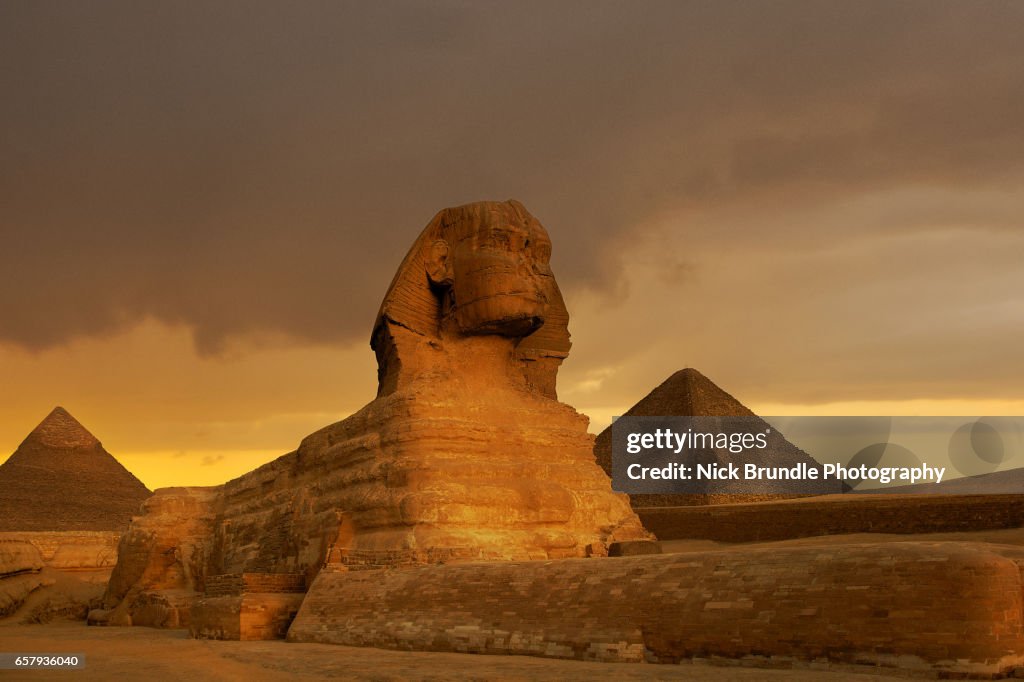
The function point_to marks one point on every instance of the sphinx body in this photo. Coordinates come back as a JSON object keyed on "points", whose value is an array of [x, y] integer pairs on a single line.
{"points": [[465, 454]]}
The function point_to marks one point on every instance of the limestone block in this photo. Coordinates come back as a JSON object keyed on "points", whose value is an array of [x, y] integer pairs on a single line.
{"points": [[954, 608]]}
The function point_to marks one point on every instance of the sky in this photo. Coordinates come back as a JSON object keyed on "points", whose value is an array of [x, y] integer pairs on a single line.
{"points": [[820, 205]]}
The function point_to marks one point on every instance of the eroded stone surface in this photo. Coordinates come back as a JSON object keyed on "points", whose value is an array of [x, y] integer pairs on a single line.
{"points": [[953, 607], [465, 454], [53, 574], [18, 556]]}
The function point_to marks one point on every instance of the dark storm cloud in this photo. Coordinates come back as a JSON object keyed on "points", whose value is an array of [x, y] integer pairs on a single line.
{"points": [[262, 167]]}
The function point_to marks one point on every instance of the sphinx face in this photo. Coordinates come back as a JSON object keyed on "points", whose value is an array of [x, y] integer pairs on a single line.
{"points": [[500, 272]]}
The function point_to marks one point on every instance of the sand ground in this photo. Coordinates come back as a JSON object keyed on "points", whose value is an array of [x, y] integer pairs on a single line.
{"points": [[149, 654]]}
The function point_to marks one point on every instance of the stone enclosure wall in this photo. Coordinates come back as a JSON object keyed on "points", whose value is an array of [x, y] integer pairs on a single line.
{"points": [[836, 515], [952, 607], [247, 606], [250, 616], [232, 584]]}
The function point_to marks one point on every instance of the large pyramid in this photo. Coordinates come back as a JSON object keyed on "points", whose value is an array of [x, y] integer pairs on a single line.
{"points": [[688, 393], [60, 478]]}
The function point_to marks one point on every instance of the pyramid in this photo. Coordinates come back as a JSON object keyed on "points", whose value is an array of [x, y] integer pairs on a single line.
{"points": [[688, 393], [60, 478]]}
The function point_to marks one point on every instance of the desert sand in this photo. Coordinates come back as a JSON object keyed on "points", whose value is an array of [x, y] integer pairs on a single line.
{"points": [[150, 654]]}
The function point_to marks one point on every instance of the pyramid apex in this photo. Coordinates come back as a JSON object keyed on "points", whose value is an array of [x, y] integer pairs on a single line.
{"points": [[687, 392], [689, 374], [60, 430]]}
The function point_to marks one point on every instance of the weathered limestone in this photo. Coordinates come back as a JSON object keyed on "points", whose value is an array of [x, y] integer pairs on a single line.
{"points": [[90, 555], [20, 565], [465, 454], [18, 556], [250, 616], [161, 560], [949, 607], [247, 606], [51, 574]]}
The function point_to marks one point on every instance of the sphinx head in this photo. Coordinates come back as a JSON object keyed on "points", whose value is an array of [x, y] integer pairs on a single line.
{"points": [[490, 267], [476, 270]]}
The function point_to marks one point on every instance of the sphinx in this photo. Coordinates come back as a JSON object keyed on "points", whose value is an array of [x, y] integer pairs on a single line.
{"points": [[465, 454]]}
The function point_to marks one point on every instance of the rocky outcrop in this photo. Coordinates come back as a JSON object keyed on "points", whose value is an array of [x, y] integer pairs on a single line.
{"points": [[89, 554], [50, 574], [17, 557], [161, 559]]}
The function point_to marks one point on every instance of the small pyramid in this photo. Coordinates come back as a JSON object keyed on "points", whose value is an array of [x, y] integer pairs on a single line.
{"points": [[60, 478], [688, 393]]}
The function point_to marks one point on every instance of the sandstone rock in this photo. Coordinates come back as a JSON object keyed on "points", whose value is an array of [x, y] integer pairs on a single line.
{"points": [[98, 617], [166, 549], [159, 609], [120, 617], [465, 454], [61, 479], [18, 556], [15, 590], [39, 582], [20, 565]]}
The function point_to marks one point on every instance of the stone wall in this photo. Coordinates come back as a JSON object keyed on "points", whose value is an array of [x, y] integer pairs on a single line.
{"points": [[232, 584], [836, 515], [951, 607], [359, 560], [250, 616], [247, 606]]}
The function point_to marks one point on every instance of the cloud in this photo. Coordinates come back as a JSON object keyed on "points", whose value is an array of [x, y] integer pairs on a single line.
{"points": [[257, 175]]}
